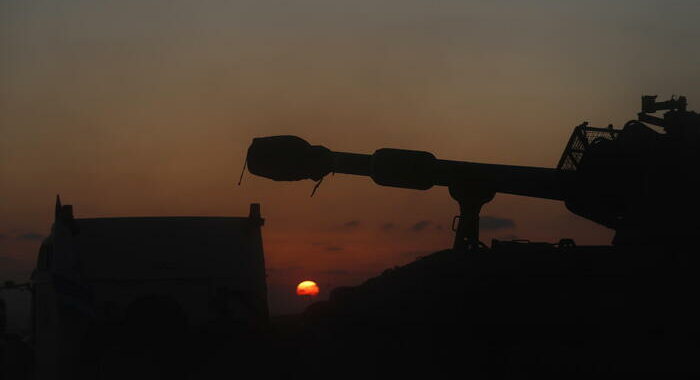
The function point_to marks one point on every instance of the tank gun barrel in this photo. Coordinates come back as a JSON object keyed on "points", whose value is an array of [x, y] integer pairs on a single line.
{"points": [[290, 158]]}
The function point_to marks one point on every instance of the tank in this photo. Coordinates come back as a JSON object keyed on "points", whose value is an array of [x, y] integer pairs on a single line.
{"points": [[638, 180], [522, 309]]}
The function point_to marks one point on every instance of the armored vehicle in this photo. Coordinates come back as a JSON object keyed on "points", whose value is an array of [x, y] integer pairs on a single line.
{"points": [[521, 309]]}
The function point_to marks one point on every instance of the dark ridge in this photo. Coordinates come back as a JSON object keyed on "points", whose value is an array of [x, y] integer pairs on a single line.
{"points": [[528, 311]]}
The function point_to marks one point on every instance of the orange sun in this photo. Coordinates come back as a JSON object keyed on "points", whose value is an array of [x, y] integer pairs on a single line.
{"points": [[307, 288]]}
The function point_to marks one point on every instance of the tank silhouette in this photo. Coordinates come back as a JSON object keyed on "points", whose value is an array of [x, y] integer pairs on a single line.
{"points": [[636, 180], [527, 309]]}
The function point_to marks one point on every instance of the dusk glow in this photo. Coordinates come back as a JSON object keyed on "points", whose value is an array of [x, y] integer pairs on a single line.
{"points": [[147, 110], [492, 188]]}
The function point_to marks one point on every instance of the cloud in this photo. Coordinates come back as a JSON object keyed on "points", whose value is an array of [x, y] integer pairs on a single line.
{"points": [[336, 272], [388, 226], [421, 225], [351, 224], [495, 223], [31, 236], [283, 270], [508, 237]]}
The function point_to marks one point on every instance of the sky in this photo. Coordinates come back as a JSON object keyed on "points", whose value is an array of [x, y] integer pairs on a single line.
{"points": [[146, 108]]}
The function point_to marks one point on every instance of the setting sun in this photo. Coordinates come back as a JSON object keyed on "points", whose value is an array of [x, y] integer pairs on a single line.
{"points": [[307, 288]]}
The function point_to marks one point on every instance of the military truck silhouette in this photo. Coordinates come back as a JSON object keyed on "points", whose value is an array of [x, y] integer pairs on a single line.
{"points": [[114, 294]]}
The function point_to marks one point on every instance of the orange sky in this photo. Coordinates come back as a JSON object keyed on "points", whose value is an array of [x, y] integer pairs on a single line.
{"points": [[133, 108]]}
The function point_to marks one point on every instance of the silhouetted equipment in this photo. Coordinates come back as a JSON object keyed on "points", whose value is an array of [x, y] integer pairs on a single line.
{"points": [[637, 180], [11, 285], [109, 285], [524, 244], [3, 317]]}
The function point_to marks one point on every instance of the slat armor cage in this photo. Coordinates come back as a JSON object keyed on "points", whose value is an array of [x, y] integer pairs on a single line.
{"points": [[581, 139]]}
